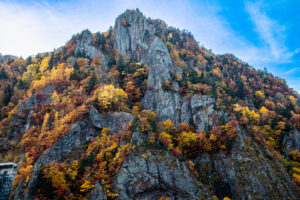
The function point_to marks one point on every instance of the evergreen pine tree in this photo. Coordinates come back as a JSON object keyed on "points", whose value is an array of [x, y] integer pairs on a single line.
{"points": [[3, 74], [92, 82]]}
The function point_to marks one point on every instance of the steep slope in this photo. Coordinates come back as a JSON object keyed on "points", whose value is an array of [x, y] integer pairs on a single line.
{"points": [[143, 112]]}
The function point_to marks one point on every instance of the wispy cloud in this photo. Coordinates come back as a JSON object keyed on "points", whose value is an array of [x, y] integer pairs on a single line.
{"points": [[292, 70], [37, 26], [272, 33]]}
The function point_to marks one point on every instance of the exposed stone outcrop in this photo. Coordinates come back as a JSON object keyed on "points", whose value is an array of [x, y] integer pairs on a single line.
{"points": [[97, 193], [26, 108], [80, 133], [248, 172], [292, 141], [203, 111], [136, 38], [33, 100], [116, 121], [84, 46], [133, 33], [186, 111], [166, 104], [156, 174]]}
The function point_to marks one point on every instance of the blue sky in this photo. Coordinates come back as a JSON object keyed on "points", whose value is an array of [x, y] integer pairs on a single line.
{"points": [[262, 33]]}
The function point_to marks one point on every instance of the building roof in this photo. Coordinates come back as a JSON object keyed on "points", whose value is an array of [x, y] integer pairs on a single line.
{"points": [[8, 164]]}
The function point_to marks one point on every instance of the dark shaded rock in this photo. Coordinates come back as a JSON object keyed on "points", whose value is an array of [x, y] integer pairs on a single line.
{"points": [[292, 141], [156, 174], [97, 193], [248, 172]]}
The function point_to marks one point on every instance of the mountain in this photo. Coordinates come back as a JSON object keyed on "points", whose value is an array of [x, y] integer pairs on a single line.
{"points": [[143, 112]]}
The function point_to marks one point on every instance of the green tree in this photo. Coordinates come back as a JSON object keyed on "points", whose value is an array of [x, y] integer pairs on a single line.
{"points": [[92, 82], [8, 91], [3, 74]]}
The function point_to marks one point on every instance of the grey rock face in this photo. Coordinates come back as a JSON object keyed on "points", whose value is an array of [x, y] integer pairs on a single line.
{"points": [[202, 111], [166, 104], [32, 101], [7, 175], [96, 118], [292, 141], [138, 138], [84, 46], [247, 173], [132, 31], [186, 111], [160, 174], [97, 193], [80, 133], [137, 38], [42, 97], [159, 61], [116, 121]]}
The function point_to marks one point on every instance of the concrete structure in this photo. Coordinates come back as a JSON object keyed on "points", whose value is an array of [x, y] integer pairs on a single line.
{"points": [[7, 175]]}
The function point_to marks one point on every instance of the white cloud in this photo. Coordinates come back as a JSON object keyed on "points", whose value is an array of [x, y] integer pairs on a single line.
{"points": [[291, 70], [38, 26], [272, 34]]}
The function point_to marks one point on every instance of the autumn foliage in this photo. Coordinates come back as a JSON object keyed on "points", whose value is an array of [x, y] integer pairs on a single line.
{"points": [[43, 96]]}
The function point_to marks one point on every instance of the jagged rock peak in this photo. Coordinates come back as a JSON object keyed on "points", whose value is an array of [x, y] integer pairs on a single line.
{"points": [[132, 32], [86, 36], [134, 13], [132, 17], [85, 48], [134, 35]]}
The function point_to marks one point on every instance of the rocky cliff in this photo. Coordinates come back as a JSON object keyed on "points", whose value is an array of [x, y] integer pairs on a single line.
{"points": [[229, 163]]}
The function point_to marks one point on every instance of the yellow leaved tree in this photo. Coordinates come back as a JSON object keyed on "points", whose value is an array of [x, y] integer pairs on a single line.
{"points": [[110, 98]]}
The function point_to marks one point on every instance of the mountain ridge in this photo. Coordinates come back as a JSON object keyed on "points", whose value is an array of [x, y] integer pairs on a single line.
{"points": [[132, 112]]}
